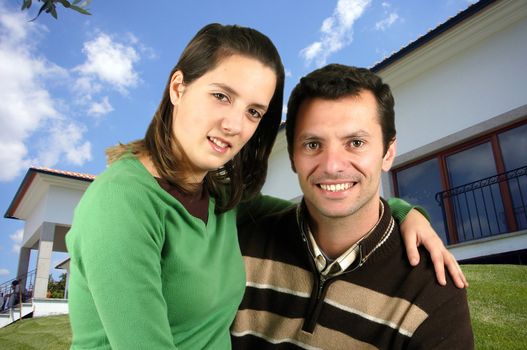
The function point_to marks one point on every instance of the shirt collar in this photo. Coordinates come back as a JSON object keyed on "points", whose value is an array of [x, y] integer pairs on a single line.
{"points": [[352, 256]]}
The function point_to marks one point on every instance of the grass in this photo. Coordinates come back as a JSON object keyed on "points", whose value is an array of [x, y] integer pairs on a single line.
{"points": [[498, 305], [497, 298], [43, 333]]}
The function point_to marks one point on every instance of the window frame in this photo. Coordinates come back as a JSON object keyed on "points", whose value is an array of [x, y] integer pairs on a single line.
{"points": [[441, 155]]}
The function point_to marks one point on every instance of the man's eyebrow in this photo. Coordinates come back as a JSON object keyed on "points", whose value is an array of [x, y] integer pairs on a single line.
{"points": [[234, 93], [357, 133], [308, 136]]}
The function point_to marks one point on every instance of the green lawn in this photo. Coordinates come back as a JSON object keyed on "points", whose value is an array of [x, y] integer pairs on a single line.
{"points": [[497, 297], [498, 305], [50, 333]]}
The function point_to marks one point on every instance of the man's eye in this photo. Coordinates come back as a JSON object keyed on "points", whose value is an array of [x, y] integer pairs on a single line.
{"points": [[312, 145], [356, 143], [221, 97]]}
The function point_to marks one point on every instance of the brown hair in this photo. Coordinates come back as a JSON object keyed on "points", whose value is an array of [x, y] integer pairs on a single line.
{"points": [[243, 176]]}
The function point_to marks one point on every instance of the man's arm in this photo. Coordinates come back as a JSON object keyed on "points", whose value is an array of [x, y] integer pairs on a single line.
{"points": [[415, 229]]}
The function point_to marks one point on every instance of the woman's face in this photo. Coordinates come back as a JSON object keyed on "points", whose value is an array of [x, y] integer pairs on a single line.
{"points": [[217, 114]]}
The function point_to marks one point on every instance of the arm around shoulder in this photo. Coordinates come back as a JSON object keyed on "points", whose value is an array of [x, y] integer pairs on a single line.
{"points": [[259, 206]]}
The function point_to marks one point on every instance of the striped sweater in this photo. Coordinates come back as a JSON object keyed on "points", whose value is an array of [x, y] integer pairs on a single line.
{"points": [[380, 302]]}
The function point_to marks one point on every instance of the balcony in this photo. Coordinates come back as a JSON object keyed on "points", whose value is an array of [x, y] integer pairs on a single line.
{"points": [[485, 209]]}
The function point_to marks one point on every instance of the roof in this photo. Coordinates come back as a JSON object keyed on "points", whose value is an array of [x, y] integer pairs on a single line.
{"points": [[434, 33], [30, 177]]}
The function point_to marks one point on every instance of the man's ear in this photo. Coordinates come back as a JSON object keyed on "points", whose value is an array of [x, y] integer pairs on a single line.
{"points": [[389, 157], [176, 87]]}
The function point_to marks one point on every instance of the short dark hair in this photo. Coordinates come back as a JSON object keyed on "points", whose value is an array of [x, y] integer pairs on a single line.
{"points": [[243, 176], [335, 81]]}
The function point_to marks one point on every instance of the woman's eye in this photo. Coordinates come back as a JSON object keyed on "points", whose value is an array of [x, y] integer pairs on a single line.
{"points": [[221, 97], [255, 114]]}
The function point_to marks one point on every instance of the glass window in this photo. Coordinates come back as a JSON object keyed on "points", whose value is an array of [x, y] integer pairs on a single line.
{"points": [[513, 145], [478, 207], [418, 185]]}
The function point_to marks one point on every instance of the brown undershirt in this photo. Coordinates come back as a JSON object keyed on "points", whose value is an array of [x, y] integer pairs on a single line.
{"points": [[197, 203]]}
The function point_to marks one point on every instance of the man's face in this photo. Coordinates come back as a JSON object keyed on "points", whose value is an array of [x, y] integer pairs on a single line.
{"points": [[338, 155]]}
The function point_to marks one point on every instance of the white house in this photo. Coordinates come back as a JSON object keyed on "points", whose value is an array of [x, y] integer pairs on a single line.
{"points": [[45, 200], [461, 118]]}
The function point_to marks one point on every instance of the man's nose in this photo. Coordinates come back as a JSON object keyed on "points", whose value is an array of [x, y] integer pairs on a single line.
{"points": [[334, 160]]}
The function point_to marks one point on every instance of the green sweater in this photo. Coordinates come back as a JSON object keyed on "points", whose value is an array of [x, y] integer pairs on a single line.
{"points": [[145, 274]]}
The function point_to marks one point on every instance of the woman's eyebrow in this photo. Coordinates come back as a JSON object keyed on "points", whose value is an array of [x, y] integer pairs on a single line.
{"points": [[234, 93]]}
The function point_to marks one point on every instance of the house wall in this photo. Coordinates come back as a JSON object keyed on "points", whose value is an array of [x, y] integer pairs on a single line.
{"points": [[60, 204], [53, 200], [481, 82], [281, 180]]}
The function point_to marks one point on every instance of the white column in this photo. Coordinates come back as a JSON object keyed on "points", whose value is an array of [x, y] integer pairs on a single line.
{"points": [[67, 283], [23, 265], [45, 249]]}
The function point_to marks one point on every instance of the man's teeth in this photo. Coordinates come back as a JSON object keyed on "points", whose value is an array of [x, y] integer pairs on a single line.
{"points": [[218, 142], [336, 187]]}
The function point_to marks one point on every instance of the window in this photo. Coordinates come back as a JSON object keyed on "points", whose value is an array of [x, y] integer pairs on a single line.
{"points": [[474, 190], [418, 185], [513, 144]]}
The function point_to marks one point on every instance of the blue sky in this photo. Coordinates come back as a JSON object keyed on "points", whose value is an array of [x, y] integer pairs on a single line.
{"points": [[73, 87]]}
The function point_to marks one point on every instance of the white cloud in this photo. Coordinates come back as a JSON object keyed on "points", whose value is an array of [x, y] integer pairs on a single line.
{"points": [[387, 22], [108, 62], [336, 31], [390, 17], [65, 140], [284, 109], [26, 104], [288, 73], [17, 240], [37, 128], [4, 272], [98, 109]]}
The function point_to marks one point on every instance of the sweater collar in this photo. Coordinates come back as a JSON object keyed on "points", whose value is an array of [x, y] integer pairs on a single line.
{"points": [[372, 241]]}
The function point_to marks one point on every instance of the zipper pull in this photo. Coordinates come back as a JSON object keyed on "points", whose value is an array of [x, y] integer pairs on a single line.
{"points": [[322, 280]]}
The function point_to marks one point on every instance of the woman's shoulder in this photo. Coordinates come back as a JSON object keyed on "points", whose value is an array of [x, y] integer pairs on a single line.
{"points": [[126, 176]]}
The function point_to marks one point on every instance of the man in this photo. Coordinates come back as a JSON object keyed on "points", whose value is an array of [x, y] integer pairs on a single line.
{"points": [[332, 273]]}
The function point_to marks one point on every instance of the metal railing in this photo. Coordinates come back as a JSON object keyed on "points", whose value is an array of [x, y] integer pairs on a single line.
{"points": [[487, 207], [8, 297]]}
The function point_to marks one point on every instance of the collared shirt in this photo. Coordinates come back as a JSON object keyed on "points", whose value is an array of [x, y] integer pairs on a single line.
{"points": [[334, 267]]}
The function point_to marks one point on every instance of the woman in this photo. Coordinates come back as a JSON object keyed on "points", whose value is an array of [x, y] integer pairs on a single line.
{"points": [[155, 261]]}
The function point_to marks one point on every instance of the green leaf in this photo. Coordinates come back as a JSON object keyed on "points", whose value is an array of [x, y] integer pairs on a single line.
{"points": [[64, 3], [85, 4], [26, 4], [43, 8], [53, 11], [80, 10]]}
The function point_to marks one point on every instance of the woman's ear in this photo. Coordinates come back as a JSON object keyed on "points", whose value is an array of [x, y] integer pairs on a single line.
{"points": [[176, 87]]}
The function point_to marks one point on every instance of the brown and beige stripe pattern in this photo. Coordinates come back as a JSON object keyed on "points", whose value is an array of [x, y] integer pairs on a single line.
{"points": [[383, 304], [394, 312]]}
